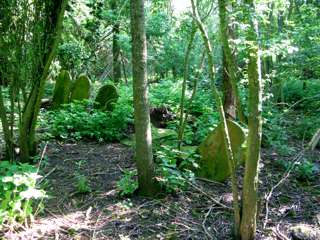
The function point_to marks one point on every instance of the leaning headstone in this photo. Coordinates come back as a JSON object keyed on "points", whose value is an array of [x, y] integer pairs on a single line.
{"points": [[80, 89], [61, 90], [214, 162], [106, 97]]}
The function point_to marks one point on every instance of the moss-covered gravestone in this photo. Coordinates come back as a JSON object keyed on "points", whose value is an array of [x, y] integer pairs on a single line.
{"points": [[61, 89], [106, 97], [214, 163], [80, 89]]}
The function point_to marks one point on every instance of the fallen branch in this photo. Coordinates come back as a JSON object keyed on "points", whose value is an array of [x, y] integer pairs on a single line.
{"points": [[210, 197]]}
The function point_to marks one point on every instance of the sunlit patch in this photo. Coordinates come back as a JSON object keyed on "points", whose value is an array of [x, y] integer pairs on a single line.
{"points": [[68, 223]]}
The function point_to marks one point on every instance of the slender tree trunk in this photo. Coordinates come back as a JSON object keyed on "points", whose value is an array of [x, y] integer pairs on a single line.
{"points": [[184, 84], [32, 107], [250, 182], [219, 103], [229, 101], [124, 68], [194, 91], [230, 70], [6, 128], [143, 154], [115, 46]]}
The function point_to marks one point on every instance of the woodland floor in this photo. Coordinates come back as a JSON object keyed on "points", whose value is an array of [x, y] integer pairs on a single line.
{"points": [[202, 212]]}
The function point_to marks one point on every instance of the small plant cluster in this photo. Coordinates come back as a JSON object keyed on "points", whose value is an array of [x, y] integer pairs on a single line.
{"points": [[18, 190], [81, 181], [174, 169], [128, 183], [171, 176], [78, 120], [304, 171]]}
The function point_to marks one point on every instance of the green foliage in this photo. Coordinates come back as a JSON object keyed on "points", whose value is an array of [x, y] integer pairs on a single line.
{"points": [[78, 121], [71, 53], [18, 190], [166, 93], [106, 97], [128, 183], [82, 184], [306, 171], [170, 177], [61, 91], [80, 88]]}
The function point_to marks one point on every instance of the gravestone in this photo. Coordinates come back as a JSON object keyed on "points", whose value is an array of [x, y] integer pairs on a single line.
{"points": [[61, 90], [214, 162], [80, 88], [106, 97]]}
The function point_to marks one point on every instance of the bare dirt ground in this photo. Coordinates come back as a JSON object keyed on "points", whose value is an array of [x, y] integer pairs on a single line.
{"points": [[202, 212]]}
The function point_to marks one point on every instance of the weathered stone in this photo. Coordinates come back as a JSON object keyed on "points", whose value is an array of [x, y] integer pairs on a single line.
{"points": [[304, 232], [214, 162], [80, 88], [61, 89], [106, 97]]}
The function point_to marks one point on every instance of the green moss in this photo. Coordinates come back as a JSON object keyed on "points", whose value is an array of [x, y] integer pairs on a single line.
{"points": [[62, 89], [106, 97], [80, 88]]}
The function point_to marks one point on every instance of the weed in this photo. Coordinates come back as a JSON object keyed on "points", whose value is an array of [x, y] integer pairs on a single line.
{"points": [[18, 191], [128, 184]]}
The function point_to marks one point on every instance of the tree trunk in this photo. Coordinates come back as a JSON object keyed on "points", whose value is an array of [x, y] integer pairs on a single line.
{"points": [[143, 154], [5, 128], [184, 84], [229, 100], [53, 27], [250, 182], [115, 46], [219, 103], [230, 70]]}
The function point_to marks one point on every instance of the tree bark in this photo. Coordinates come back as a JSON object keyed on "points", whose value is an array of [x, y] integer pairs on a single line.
{"points": [[230, 70], [115, 46], [6, 128], [229, 100], [53, 27], [219, 103], [250, 182], [143, 153], [184, 84]]}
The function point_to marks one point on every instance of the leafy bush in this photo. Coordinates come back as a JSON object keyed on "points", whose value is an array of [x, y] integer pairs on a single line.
{"points": [[170, 177], [306, 171], [166, 93], [79, 121], [128, 184], [18, 191]]}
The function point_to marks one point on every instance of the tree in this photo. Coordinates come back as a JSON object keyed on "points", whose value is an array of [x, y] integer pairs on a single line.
{"points": [[216, 95], [143, 154], [30, 38], [250, 182], [115, 45], [229, 66]]}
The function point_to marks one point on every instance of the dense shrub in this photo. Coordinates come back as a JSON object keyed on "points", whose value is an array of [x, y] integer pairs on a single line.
{"points": [[78, 120]]}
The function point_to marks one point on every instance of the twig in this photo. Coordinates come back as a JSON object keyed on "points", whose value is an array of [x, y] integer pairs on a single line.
{"points": [[42, 156], [210, 181], [210, 197], [279, 234], [204, 223], [286, 175], [45, 176]]}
